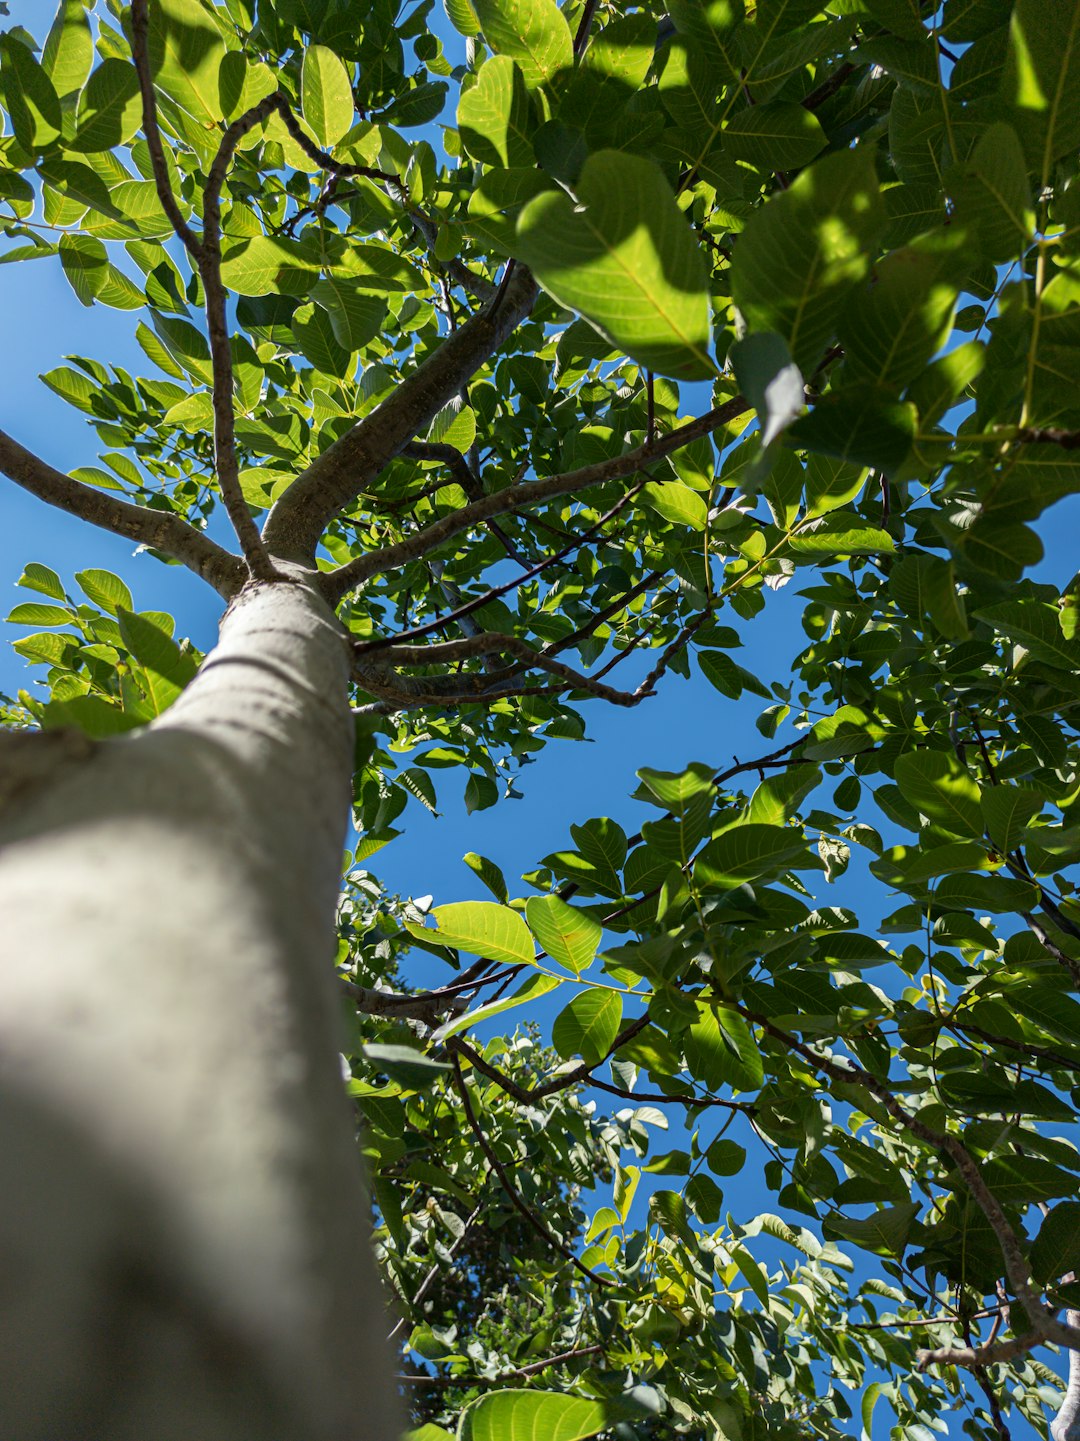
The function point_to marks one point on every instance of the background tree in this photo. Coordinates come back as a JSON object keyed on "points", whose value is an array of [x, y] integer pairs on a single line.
{"points": [[679, 304]]}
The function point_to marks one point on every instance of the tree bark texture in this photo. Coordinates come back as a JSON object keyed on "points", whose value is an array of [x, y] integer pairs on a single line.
{"points": [[184, 1236]]}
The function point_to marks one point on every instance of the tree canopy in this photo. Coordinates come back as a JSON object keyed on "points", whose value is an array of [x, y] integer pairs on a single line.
{"points": [[558, 340]]}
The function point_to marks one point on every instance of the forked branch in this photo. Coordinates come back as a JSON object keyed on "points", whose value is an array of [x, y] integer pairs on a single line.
{"points": [[206, 252], [335, 478]]}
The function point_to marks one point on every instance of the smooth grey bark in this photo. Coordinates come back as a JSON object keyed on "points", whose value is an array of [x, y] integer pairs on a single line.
{"points": [[1066, 1424], [184, 1237]]}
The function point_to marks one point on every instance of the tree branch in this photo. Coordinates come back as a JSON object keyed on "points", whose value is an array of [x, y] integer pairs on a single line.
{"points": [[581, 36], [467, 479], [337, 583], [399, 692], [428, 1006], [977, 1358], [157, 529], [658, 1098], [298, 519], [209, 260], [140, 54]]}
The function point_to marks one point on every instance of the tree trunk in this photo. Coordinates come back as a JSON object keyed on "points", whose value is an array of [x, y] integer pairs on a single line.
{"points": [[184, 1237]]}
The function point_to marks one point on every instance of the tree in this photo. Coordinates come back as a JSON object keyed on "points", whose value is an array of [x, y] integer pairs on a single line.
{"points": [[506, 371]]}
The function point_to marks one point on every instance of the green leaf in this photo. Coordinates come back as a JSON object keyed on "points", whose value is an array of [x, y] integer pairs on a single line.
{"points": [[1007, 811], [186, 51], [494, 117], [1056, 1249], [726, 1158], [253, 267], [806, 249], [987, 893], [34, 613], [497, 202], [1042, 80], [462, 16], [588, 1025], [747, 851], [77, 182], [1017, 1180], [489, 873], [992, 194], [891, 330], [532, 32], [69, 48], [860, 424], [531, 1416], [720, 1050], [40, 578], [1058, 1015], [481, 792], [315, 334], [937, 785], [770, 380], [110, 108], [679, 791], [677, 503], [186, 346], [326, 97], [841, 533], [778, 797], [405, 1065], [482, 928], [925, 585], [780, 136], [168, 668], [885, 1232], [90, 713], [728, 677], [105, 589], [32, 101], [871, 1396], [570, 936], [1037, 628], [831, 483], [85, 264], [625, 257]]}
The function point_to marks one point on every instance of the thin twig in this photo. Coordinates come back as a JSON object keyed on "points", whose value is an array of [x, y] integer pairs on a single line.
{"points": [[529, 1094], [477, 686], [429, 1280], [416, 632], [518, 497], [517, 1200], [519, 1373], [1045, 1325]]}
